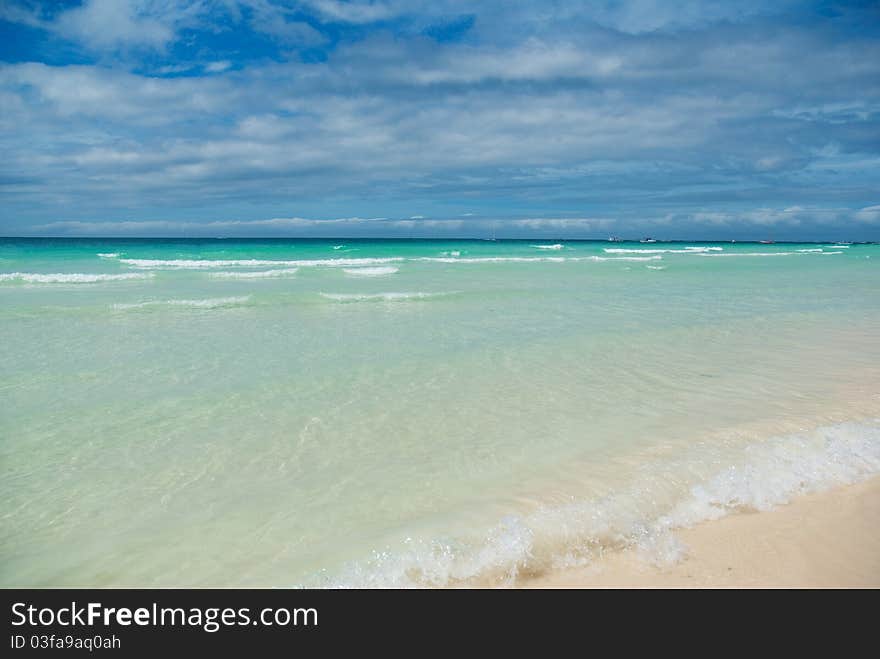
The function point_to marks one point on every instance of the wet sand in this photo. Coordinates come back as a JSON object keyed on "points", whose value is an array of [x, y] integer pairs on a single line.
{"points": [[825, 540]]}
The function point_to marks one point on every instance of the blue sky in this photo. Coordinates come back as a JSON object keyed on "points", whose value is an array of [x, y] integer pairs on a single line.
{"points": [[713, 119]]}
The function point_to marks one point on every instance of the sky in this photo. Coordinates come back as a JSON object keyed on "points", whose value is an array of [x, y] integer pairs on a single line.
{"points": [[443, 118]]}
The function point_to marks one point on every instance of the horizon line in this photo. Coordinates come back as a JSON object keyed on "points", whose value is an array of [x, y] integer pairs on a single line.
{"points": [[440, 239]]}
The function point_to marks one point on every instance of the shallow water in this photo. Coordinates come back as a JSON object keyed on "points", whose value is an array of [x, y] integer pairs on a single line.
{"points": [[305, 412]]}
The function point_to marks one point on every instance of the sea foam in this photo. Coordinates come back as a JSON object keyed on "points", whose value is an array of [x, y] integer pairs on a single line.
{"points": [[206, 303], [685, 250], [204, 264], [624, 258], [70, 278], [535, 259], [382, 297], [760, 476], [259, 274], [495, 259], [379, 271], [753, 254]]}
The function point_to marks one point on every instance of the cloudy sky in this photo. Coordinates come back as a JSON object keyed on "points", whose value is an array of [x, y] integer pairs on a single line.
{"points": [[715, 119]]}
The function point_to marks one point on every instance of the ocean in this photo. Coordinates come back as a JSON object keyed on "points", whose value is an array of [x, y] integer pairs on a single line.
{"points": [[415, 412]]}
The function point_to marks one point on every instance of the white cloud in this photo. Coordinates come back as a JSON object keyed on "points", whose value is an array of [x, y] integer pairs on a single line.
{"points": [[274, 21], [113, 26], [353, 11], [532, 60], [639, 16], [868, 215], [589, 124], [108, 24], [104, 93], [175, 68], [565, 223], [154, 227], [794, 216], [218, 67], [761, 220], [265, 128], [25, 15]]}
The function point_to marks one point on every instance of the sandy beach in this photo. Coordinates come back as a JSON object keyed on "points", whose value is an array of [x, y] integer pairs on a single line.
{"points": [[825, 540]]}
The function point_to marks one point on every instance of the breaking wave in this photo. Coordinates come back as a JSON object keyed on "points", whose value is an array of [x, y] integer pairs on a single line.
{"points": [[685, 250], [379, 271], [204, 264], [69, 278], [382, 297], [259, 274], [758, 477], [207, 303]]}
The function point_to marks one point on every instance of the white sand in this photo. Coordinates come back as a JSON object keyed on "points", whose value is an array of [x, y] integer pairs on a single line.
{"points": [[830, 539]]}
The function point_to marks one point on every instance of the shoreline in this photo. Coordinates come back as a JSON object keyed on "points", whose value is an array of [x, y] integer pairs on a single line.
{"points": [[827, 539]]}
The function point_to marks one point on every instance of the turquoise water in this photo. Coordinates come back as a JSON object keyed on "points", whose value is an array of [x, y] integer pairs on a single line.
{"points": [[353, 412]]}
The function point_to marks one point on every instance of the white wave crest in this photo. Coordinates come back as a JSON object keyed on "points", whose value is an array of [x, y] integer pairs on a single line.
{"points": [[686, 250], [379, 271], [205, 264], [381, 297], [496, 259], [754, 254], [758, 476], [624, 258], [206, 303], [537, 259], [259, 274], [556, 246], [70, 278]]}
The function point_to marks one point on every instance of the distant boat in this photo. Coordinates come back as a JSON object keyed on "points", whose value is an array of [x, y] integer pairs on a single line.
{"points": [[615, 239], [767, 242], [648, 240]]}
